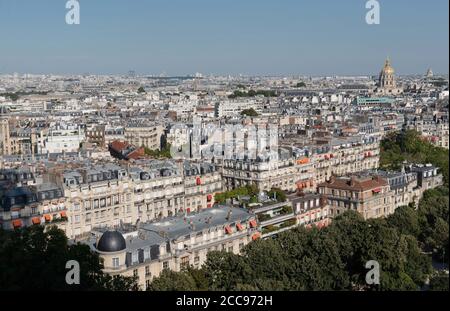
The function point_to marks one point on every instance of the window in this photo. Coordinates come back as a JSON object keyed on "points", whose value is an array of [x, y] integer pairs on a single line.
{"points": [[135, 273], [147, 271], [147, 284], [146, 253], [165, 265], [115, 262], [134, 257], [184, 262]]}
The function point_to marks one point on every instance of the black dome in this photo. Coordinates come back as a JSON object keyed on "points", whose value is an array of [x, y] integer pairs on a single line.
{"points": [[111, 241]]}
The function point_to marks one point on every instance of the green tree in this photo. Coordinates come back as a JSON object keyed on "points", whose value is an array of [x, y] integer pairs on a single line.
{"points": [[159, 154], [225, 270], [35, 259], [249, 112], [405, 220], [439, 282], [411, 147], [279, 194], [173, 281]]}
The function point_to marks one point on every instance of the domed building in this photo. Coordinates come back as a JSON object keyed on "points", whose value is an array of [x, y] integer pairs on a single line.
{"points": [[173, 242], [111, 247], [111, 241], [386, 81]]}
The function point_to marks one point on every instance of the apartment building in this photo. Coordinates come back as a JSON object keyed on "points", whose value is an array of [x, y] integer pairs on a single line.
{"points": [[174, 243], [311, 210], [432, 128], [23, 202], [404, 188], [23, 141], [158, 189], [346, 155], [107, 194], [61, 138], [143, 135], [284, 171], [368, 195], [428, 176], [232, 108], [201, 182], [98, 196]]}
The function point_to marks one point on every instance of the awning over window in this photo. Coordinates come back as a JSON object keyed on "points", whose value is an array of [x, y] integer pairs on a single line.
{"points": [[198, 181], [239, 227], [228, 230], [253, 223], [48, 217], [256, 236], [209, 197], [63, 214], [303, 161], [36, 221], [377, 190], [17, 223]]}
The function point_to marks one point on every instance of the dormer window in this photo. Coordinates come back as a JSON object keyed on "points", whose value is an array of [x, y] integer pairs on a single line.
{"points": [[146, 253], [134, 256]]}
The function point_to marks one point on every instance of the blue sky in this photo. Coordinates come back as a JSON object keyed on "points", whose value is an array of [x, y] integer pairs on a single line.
{"points": [[312, 37]]}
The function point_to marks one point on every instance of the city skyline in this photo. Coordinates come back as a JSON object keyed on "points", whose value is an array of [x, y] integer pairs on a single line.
{"points": [[224, 38]]}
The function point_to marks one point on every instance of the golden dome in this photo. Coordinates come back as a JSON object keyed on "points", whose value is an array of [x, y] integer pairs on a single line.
{"points": [[387, 69]]}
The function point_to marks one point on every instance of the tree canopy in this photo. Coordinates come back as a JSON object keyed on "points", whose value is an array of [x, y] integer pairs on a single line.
{"points": [[158, 154], [35, 259], [252, 93], [249, 112], [411, 147]]}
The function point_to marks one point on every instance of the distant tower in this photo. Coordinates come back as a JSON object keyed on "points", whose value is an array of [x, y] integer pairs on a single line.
{"points": [[429, 73], [5, 143], [386, 80]]}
